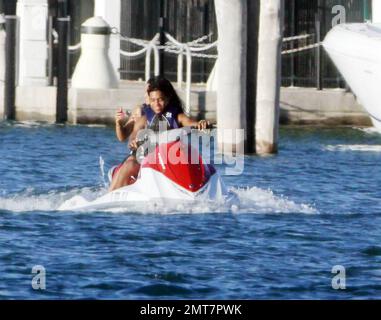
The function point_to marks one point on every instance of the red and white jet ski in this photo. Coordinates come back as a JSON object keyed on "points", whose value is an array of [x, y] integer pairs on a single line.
{"points": [[172, 170]]}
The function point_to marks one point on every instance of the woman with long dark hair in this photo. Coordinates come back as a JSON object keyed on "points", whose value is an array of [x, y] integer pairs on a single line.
{"points": [[164, 107]]}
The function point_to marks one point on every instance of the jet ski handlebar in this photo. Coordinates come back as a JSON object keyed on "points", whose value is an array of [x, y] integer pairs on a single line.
{"points": [[164, 136]]}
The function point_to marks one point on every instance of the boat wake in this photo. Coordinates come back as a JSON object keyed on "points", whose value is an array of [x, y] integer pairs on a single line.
{"points": [[247, 200], [353, 147]]}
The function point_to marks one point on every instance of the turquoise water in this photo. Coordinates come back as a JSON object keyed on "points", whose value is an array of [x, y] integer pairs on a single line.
{"points": [[313, 206]]}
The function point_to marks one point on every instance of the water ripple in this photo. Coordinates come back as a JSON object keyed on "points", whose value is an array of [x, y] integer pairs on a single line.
{"points": [[313, 206]]}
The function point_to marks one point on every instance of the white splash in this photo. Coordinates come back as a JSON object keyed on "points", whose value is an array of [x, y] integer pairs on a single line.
{"points": [[248, 200], [258, 200], [102, 171], [30, 200]]}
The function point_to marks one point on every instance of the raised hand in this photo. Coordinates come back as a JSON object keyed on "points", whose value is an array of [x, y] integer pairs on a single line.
{"points": [[121, 117]]}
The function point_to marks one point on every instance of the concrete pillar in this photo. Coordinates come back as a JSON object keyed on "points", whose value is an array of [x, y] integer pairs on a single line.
{"points": [[376, 11], [32, 41], [231, 70], [94, 69], [110, 11], [269, 75]]}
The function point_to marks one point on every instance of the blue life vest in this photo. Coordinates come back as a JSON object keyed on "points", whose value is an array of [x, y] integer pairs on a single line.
{"points": [[169, 115]]}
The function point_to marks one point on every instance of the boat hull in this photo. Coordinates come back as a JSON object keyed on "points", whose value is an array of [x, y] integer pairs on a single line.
{"points": [[355, 50]]}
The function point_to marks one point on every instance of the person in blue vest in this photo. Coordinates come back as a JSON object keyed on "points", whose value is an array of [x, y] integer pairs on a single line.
{"points": [[164, 106]]}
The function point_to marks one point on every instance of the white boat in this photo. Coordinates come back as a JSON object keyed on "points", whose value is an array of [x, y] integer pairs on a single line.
{"points": [[355, 49]]}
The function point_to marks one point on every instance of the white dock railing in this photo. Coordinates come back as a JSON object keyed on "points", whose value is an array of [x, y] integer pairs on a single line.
{"points": [[172, 46], [195, 48]]}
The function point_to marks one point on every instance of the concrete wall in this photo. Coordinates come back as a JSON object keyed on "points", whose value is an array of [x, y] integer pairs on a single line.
{"points": [[36, 103], [307, 106], [299, 106], [93, 106]]}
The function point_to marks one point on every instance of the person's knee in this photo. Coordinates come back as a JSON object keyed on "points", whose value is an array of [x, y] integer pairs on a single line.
{"points": [[135, 169], [130, 168]]}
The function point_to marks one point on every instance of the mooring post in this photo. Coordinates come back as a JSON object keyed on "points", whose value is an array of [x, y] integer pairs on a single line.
{"points": [[62, 69], [269, 75], [231, 80], [94, 58], [10, 68]]}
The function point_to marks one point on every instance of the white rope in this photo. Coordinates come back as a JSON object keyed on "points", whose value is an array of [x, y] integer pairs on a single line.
{"points": [[188, 80], [193, 49], [75, 47], [204, 48], [133, 54], [303, 36], [196, 55], [205, 56], [174, 41], [200, 40], [55, 36], [143, 43], [156, 54], [302, 49], [138, 42], [180, 58]]}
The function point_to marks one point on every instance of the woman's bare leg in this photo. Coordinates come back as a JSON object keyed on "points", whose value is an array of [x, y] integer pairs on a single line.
{"points": [[126, 175]]}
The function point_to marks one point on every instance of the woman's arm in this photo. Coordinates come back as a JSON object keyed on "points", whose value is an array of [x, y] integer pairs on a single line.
{"points": [[123, 127], [188, 122], [123, 132], [139, 125]]}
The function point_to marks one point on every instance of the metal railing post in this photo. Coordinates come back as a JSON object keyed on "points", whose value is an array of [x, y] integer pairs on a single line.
{"points": [[148, 63], [188, 81], [180, 59]]}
